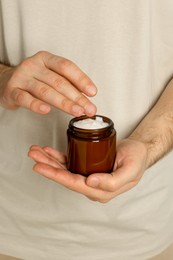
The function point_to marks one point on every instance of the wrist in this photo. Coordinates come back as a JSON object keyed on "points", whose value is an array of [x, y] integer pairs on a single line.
{"points": [[5, 75], [149, 147], [3, 68], [3, 71], [153, 136]]}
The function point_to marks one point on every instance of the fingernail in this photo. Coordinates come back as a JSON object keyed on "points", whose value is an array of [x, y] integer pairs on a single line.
{"points": [[93, 182], [90, 109], [91, 90]]}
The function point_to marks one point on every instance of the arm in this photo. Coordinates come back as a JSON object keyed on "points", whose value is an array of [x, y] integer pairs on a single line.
{"points": [[46, 80], [149, 142], [156, 129]]}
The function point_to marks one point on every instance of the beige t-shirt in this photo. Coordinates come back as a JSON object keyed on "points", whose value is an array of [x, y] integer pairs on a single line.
{"points": [[126, 47]]}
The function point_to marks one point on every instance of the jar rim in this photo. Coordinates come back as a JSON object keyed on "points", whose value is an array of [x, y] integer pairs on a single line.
{"points": [[105, 119]]}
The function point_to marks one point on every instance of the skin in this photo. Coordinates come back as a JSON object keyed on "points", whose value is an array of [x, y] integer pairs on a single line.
{"points": [[46, 80], [148, 143], [103, 187], [41, 78]]}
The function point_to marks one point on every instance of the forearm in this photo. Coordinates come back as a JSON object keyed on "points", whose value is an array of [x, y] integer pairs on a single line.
{"points": [[156, 129]]}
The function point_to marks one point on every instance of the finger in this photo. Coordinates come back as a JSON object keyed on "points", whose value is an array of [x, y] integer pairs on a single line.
{"points": [[56, 154], [71, 181], [92, 194], [40, 156], [35, 147], [70, 71], [111, 182], [50, 96], [65, 88], [48, 151], [24, 99], [111, 195], [64, 177]]}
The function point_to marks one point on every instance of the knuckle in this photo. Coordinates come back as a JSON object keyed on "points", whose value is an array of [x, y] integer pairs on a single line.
{"points": [[106, 197], [46, 148], [58, 83], [92, 199], [65, 103], [41, 53], [81, 100], [34, 105], [103, 197], [65, 64], [27, 63], [112, 187], [83, 79], [44, 91], [19, 97], [103, 201], [33, 61]]}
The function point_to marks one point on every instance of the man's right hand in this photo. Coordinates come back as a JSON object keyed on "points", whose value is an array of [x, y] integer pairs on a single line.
{"points": [[46, 80]]}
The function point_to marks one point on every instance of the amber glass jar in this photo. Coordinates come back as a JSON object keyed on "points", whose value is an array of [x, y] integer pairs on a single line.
{"points": [[91, 150]]}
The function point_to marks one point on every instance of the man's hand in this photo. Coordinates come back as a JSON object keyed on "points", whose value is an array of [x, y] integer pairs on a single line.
{"points": [[129, 167], [46, 80]]}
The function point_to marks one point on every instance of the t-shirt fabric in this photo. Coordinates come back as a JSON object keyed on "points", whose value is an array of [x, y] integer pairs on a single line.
{"points": [[126, 48]]}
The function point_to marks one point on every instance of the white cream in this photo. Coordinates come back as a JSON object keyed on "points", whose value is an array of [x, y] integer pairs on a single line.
{"points": [[91, 123]]}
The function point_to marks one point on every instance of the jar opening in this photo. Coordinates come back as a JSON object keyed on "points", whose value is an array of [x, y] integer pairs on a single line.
{"points": [[91, 133], [91, 123]]}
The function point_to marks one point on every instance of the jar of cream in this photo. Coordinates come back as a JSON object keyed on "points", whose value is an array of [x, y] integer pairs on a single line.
{"points": [[91, 145]]}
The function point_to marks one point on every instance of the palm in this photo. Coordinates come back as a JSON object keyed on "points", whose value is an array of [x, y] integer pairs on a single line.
{"points": [[129, 167]]}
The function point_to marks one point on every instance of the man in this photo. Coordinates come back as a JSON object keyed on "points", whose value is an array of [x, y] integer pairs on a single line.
{"points": [[126, 49]]}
